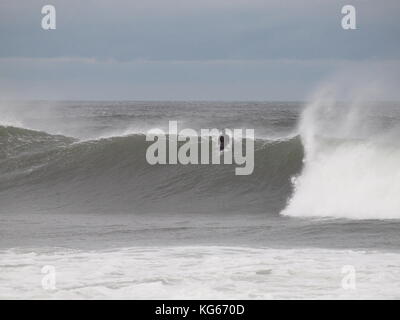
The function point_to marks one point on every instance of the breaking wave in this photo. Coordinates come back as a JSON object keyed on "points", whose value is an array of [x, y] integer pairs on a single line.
{"points": [[44, 172], [343, 164], [352, 161]]}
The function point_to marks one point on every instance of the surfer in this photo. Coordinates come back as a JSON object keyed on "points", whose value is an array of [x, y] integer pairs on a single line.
{"points": [[221, 143]]}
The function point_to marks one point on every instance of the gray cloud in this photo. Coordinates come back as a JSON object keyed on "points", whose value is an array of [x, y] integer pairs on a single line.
{"points": [[211, 49]]}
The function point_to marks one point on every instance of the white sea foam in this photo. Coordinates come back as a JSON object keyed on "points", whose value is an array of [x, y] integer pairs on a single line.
{"points": [[352, 165], [199, 273]]}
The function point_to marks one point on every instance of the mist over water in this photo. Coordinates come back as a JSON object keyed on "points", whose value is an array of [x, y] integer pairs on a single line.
{"points": [[352, 155]]}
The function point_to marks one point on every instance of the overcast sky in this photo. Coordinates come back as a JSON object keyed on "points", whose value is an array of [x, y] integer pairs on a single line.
{"points": [[193, 49]]}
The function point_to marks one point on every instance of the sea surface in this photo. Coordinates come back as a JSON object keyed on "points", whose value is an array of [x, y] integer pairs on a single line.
{"points": [[78, 197]]}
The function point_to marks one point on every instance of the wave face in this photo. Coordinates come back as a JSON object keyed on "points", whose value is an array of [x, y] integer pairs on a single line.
{"points": [[352, 162], [56, 173], [329, 159]]}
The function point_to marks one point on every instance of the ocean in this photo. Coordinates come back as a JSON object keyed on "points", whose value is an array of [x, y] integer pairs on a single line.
{"points": [[78, 198]]}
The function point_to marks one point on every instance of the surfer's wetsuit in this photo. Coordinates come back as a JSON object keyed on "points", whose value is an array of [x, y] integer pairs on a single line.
{"points": [[221, 143]]}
